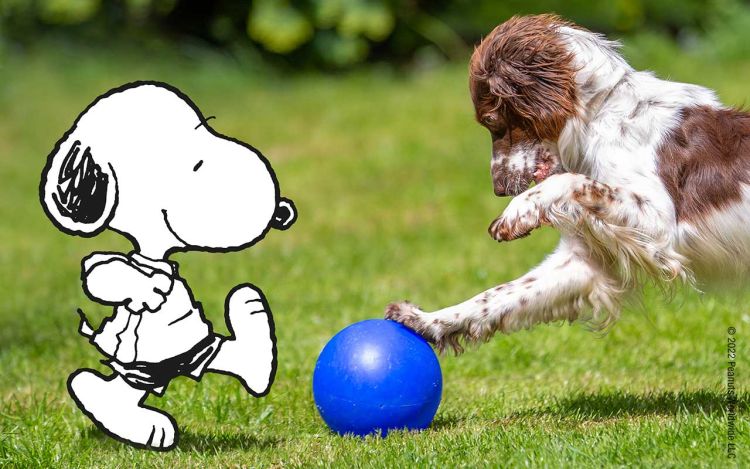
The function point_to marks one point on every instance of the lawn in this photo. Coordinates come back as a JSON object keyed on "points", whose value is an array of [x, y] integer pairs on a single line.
{"points": [[390, 176]]}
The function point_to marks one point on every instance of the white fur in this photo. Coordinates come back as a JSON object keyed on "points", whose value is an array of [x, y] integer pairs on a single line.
{"points": [[606, 247], [720, 243]]}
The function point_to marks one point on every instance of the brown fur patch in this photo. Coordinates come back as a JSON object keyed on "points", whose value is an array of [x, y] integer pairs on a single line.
{"points": [[404, 313], [523, 76], [595, 197], [705, 159], [500, 230]]}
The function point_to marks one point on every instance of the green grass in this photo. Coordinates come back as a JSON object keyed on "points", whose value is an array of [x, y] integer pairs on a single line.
{"points": [[390, 175]]}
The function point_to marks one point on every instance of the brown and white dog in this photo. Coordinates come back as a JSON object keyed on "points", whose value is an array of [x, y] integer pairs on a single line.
{"points": [[640, 176]]}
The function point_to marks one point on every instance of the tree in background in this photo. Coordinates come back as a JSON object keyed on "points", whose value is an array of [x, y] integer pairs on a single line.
{"points": [[343, 33]]}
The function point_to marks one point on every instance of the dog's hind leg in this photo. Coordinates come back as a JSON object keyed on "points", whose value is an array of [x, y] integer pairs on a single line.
{"points": [[563, 287]]}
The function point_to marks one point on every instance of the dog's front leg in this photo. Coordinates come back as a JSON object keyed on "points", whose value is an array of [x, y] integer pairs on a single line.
{"points": [[566, 284], [623, 229], [562, 200]]}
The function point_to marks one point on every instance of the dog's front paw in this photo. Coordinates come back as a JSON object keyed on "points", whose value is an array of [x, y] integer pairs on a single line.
{"points": [[410, 316], [597, 198], [403, 312], [518, 220]]}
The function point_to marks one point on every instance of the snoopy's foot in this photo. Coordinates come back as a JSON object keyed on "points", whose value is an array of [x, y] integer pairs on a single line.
{"points": [[117, 409], [250, 353]]}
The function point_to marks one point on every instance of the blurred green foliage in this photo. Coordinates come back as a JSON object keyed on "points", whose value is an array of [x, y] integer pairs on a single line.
{"points": [[342, 33]]}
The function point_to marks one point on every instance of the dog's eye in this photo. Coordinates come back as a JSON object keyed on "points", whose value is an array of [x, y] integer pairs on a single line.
{"points": [[198, 165], [489, 120], [494, 125]]}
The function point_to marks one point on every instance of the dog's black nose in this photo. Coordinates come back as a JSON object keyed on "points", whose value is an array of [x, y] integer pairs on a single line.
{"points": [[285, 215]]}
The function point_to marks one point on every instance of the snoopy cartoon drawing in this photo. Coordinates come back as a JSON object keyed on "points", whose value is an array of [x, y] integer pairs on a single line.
{"points": [[141, 160]]}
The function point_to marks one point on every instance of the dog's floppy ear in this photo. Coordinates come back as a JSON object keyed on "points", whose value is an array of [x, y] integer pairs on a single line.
{"points": [[78, 193], [539, 99], [528, 73]]}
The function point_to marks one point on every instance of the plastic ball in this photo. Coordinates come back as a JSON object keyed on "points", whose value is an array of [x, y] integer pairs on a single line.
{"points": [[375, 376]]}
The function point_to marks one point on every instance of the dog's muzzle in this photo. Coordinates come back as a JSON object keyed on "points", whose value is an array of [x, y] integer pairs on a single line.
{"points": [[505, 184], [285, 215]]}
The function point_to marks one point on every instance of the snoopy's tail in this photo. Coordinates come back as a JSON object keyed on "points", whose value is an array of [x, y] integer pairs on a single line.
{"points": [[84, 328]]}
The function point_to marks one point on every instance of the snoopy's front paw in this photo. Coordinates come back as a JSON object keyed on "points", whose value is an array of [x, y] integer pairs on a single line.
{"points": [[152, 293], [250, 353], [519, 219]]}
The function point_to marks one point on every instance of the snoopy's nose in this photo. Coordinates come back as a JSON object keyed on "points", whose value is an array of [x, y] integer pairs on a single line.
{"points": [[285, 214]]}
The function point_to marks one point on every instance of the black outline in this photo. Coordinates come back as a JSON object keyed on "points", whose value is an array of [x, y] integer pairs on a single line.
{"points": [[171, 230], [283, 225], [141, 404], [206, 366], [231, 336], [81, 199], [175, 321], [103, 223], [105, 219], [125, 259], [203, 122]]}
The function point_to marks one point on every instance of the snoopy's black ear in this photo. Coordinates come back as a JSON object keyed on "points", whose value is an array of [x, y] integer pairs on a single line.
{"points": [[77, 193], [81, 193]]}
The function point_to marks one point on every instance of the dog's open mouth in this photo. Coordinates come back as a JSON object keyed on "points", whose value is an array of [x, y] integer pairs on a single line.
{"points": [[540, 165], [543, 171], [547, 164]]}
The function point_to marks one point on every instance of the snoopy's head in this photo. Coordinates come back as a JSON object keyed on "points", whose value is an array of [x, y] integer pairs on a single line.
{"points": [[142, 161]]}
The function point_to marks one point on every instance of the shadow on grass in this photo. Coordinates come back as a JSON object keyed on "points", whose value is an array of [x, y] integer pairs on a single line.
{"points": [[211, 442], [446, 422], [198, 442], [616, 404]]}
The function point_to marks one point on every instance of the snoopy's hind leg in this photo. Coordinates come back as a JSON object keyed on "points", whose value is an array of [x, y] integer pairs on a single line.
{"points": [[249, 354], [117, 409]]}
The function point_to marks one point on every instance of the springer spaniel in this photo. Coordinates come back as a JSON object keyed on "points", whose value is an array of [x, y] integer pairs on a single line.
{"points": [[643, 177]]}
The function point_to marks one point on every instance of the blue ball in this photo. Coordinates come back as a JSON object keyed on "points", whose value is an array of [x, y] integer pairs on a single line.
{"points": [[375, 376]]}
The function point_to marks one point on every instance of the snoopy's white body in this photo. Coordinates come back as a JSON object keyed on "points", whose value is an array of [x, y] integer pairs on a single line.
{"points": [[142, 161]]}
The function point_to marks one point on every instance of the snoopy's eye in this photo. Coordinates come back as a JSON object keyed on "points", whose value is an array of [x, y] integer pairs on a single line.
{"points": [[198, 165]]}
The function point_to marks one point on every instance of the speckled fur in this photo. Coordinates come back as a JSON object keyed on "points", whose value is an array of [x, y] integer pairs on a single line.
{"points": [[645, 179]]}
